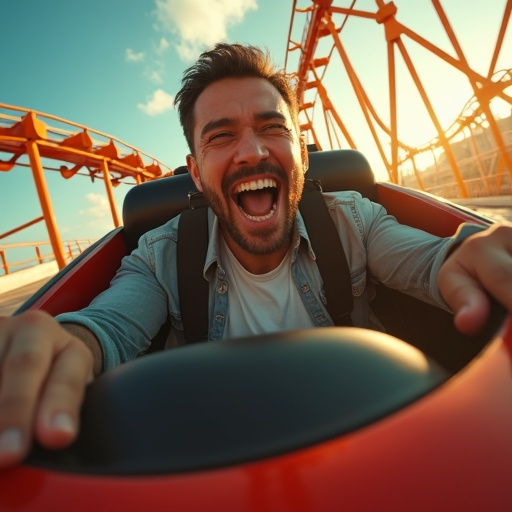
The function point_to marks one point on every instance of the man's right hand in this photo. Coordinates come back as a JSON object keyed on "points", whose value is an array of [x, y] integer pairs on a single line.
{"points": [[44, 370]]}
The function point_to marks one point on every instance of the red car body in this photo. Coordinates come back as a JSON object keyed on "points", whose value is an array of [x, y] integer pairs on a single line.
{"points": [[448, 449]]}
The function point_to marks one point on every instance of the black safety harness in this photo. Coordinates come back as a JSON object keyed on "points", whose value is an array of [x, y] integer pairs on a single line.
{"points": [[193, 288]]}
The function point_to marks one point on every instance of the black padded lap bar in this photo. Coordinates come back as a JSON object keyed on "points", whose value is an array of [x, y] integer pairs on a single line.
{"points": [[211, 405]]}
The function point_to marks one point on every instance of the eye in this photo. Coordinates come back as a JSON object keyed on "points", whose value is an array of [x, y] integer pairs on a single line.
{"points": [[276, 128], [217, 137]]}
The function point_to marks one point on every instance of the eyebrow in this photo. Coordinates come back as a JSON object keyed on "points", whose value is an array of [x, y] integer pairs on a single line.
{"points": [[229, 121]]}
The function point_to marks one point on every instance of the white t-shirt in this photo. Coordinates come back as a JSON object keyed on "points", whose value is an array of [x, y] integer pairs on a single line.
{"points": [[262, 303]]}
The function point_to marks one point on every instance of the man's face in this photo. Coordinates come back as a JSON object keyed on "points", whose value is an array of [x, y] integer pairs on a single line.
{"points": [[249, 163]]}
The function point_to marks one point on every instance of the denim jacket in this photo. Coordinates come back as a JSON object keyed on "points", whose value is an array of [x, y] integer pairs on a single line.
{"points": [[144, 292]]}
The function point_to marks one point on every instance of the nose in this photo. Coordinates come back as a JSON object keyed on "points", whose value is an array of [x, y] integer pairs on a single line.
{"points": [[251, 149]]}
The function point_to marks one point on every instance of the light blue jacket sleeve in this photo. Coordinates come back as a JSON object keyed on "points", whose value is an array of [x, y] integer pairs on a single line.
{"points": [[127, 316]]}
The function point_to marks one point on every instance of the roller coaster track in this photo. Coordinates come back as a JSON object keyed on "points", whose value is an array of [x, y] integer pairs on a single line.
{"points": [[34, 139], [322, 57], [322, 44]]}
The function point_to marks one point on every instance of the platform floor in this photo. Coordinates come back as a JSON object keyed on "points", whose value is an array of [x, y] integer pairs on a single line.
{"points": [[10, 301]]}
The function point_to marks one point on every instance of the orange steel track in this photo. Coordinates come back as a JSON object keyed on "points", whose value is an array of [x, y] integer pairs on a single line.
{"points": [[326, 21], [34, 139], [77, 150]]}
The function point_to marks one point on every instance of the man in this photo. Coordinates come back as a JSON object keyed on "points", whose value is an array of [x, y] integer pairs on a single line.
{"points": [[240, 119]]}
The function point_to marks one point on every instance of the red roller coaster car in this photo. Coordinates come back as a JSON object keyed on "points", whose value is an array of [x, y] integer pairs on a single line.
{"points": [[419, 419]]}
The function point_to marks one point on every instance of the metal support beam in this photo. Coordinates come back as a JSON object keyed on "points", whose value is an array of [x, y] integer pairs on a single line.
{"points": [[45, 201]]}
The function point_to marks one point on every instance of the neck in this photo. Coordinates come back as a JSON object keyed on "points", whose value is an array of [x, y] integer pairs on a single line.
{"points": [[258, 263]]}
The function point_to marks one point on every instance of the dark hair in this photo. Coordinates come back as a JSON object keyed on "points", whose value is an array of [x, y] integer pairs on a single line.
{"points": [[229, 61]]}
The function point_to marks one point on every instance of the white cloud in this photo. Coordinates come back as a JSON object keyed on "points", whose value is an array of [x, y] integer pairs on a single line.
{"points": [[157, 103], [162, 45], [132, 56], [99, 206], [155, 73], [200, 24], [155, 76]]}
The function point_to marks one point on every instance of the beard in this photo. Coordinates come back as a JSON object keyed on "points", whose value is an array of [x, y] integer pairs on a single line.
{"points": [[265, 241]]}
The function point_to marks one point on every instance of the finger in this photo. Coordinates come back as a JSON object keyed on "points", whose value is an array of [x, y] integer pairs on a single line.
{"points": [[63, 393], [472, 311], [466, 298], [25, 363]]}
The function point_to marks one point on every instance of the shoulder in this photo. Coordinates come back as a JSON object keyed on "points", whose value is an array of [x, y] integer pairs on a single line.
{"points": [[349, 208], [353, 201], [165, 232], [343, 197]]}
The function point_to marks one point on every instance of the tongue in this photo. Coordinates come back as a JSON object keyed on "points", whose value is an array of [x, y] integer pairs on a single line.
{"points": [[257, 202]]}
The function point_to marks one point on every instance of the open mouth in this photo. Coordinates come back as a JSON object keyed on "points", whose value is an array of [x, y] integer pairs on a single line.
{"points": [[257, 199]]}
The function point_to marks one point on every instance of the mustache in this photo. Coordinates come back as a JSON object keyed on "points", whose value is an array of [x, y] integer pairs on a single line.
{"points": [[249, 172]]}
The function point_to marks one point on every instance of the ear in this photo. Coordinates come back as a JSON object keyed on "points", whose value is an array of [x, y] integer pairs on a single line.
{"points": [[193, 169]]}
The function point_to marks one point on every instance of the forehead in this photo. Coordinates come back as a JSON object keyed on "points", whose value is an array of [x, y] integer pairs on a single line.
{"points": [[237, 99]]}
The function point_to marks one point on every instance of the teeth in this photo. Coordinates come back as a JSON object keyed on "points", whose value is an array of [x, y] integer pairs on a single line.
{"points": [[255, 185], [263, 217]]}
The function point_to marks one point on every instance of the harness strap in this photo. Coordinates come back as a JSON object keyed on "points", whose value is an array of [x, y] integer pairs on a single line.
{"points": [[193, 288], [330, 256]]}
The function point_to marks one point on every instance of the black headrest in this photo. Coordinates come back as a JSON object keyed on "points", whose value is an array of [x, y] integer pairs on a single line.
{"points": [[152, 204], [342, 169]]}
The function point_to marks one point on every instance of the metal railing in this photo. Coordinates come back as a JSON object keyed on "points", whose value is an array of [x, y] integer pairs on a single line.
{"points": [[29, 254]]}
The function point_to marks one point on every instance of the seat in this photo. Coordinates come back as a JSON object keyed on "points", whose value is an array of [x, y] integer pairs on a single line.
{"points": [[152, 204]]}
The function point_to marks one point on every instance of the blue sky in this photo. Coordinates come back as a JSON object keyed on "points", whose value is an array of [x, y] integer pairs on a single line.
{"points": [[115, 66]]}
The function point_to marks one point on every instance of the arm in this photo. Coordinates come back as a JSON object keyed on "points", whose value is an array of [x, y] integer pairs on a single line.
{"points": [[90, 340], [128, 315], [45, 365], [457, 273], [44, 370], [464, 271]]}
